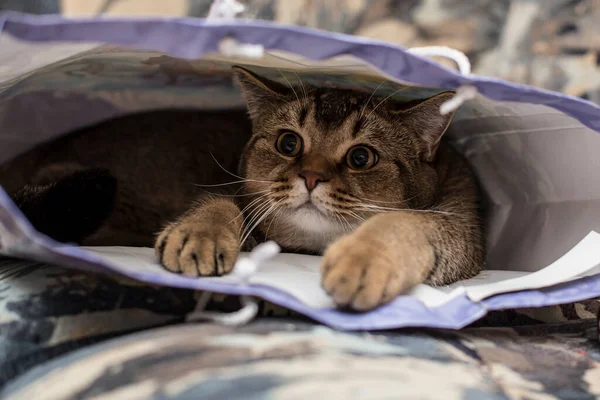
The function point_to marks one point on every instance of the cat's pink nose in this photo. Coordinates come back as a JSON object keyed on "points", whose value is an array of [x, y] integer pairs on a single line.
{"points": [[312, 179]]}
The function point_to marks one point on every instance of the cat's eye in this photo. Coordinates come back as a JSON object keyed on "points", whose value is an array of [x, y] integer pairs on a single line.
{"points": [[361, 158], [289, 144]]}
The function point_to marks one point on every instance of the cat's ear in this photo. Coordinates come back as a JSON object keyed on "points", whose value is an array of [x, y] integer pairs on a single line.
{"points": [[424, 118], [260, 93]]}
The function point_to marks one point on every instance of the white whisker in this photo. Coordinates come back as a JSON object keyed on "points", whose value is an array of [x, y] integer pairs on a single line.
{"points": [[374, 208], [248, 206], [258, 207], [382, 101], [346, 222], [244, 194], [304, 91], [290, 85], [253, 215], [265, 214], [277, 215], [220, 184], [362, 112], [232, 174], [339, 220], [355, 215], [246, 225]]}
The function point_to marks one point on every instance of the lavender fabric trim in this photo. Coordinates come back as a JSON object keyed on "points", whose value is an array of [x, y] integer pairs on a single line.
{"points": [[191, 38]]}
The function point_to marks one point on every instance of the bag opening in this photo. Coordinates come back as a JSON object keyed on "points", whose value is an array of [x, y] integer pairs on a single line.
{"points": [[533, 162]]}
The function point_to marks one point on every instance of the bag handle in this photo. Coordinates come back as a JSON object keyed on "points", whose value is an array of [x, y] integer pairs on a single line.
{"points": [[463, 93]]}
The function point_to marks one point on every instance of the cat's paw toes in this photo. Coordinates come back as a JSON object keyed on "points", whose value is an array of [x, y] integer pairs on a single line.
{"points": [[193, 251], [357, 275]]}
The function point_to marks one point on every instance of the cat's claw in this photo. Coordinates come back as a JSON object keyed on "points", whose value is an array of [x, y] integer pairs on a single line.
{"points": [[194, 250], [356, 276], [361, 273]]}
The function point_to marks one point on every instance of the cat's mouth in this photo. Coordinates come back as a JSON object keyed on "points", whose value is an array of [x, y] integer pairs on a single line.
{"points": [[310, 217], [311, 207]]}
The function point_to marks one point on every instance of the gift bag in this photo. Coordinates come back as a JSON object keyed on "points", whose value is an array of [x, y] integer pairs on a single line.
{"points": [[534, 153]]}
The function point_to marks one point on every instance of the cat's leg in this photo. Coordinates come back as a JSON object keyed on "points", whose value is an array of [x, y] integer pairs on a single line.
{"points": [[392, 252], [204, 241]]}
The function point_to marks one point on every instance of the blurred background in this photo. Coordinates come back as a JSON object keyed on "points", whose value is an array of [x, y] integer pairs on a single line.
{"points": [[552, 44]]}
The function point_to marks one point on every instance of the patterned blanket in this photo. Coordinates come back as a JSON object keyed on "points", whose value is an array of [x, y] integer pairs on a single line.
{"points": [[48, 311], [290, 360]]}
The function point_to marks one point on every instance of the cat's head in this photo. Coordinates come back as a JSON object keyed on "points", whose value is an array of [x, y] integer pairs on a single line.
{"points": [[320, 161]]}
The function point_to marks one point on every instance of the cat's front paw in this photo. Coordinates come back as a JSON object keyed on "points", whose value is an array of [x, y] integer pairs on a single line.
{"points": [[362, 271], [194, 249]]}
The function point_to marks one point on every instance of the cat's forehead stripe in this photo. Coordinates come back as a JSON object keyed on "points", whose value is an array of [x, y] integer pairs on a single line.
{"points": [[358, 125], [333, 108], [302, 116]]}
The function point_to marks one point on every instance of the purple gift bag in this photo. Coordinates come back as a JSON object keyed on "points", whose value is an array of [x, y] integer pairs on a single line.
{"points": [[533, 151]]}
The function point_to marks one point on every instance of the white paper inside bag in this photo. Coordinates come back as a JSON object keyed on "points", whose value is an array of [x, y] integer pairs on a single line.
{"points": [[299, 275], [537, 168]]}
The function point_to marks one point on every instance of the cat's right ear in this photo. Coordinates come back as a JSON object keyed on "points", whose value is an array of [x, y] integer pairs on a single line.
{"points": [[260, 94]]}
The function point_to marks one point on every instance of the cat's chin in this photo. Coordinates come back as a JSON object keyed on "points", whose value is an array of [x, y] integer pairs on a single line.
{"points": [[309, 218]]}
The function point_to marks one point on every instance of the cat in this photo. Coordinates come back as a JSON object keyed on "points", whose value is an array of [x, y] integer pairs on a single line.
{"points": [[365, 181]]}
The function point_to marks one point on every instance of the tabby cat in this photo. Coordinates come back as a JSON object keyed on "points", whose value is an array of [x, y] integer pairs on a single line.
{"points": [[365, 181]]}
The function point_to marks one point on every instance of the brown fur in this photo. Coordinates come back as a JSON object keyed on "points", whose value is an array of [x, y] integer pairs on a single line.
{"points": [[411, 218]]}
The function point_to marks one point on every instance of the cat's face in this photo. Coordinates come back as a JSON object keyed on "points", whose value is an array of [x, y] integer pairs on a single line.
{"points": [[322, 161]]}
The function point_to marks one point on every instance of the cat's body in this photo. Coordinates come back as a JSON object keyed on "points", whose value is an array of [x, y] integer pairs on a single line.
{"points": [[360, 179]]}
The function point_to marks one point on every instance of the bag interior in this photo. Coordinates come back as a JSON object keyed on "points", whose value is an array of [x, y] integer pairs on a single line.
{"points": [[535, 165]]}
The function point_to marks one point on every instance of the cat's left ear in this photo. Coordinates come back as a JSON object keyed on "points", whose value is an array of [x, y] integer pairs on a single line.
{"points": [[425, 119], [260, 93]]}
